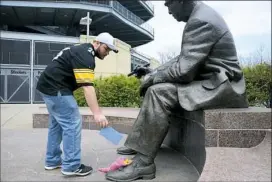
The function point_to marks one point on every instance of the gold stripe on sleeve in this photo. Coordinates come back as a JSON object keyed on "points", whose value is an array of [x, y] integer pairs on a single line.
{"points": [[84, 75]]}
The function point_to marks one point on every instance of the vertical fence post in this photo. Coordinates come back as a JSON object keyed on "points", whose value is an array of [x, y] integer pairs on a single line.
{"points": [[31, 70], [88, 26]]}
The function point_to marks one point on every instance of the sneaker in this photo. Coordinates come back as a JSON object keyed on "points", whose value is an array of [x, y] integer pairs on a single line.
{"points": [[52, 167], [81, 171]]}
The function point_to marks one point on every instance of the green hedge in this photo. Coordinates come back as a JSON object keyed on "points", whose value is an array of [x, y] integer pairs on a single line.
{"points": [[114, 91], [258, 84], [123, 91]]}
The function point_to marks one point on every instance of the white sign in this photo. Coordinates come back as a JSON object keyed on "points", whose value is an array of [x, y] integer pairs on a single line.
{"points": [[17, 72]]}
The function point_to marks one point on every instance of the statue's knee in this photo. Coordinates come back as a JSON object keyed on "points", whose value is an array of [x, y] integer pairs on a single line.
{"points": [[156, 88]]}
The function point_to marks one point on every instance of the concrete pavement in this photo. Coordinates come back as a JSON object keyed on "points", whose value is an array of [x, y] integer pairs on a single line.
{"points": [[23, 148], [23, 153], [239, 164], [18, 115]]}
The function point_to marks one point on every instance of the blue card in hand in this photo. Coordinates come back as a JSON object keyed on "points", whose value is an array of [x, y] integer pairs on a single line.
{"points": [[111, 134]]}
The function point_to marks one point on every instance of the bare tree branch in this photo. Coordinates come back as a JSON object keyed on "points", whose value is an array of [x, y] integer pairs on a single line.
{"points": [[259, 56], [167, 56]]}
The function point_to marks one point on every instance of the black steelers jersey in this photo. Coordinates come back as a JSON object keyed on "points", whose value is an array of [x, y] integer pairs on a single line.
{"points": [[72, 68]]}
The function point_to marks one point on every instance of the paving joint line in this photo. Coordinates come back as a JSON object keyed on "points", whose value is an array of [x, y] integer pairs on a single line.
{"points": [[11, 118]]}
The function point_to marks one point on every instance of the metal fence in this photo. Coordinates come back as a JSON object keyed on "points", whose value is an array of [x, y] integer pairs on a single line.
{"points": [[22, 61]]}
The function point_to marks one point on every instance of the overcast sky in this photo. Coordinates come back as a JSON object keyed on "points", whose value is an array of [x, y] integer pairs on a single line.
{"points": [[249, 22]]}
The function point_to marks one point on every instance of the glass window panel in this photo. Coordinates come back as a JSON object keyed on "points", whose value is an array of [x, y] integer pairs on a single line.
{"points": [[46, 51], [15, 52]]}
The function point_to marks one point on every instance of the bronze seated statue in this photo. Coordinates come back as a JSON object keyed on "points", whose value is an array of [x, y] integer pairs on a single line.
{"points": [[206, 75]]}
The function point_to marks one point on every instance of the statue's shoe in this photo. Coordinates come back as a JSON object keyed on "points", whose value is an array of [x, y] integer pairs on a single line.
{"points": [[126, 151], [136, 170]]}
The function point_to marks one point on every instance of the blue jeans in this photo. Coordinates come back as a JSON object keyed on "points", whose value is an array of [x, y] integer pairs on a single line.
{"points": [[65, 125]]}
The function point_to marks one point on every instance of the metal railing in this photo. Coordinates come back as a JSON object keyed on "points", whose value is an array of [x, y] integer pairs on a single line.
{"points": [[149, 4], [131, 17], [119, 8], [100, 2], [96, 2]]}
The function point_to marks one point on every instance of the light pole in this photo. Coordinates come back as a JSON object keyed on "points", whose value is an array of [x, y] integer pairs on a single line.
{"points": [[86, 21]]}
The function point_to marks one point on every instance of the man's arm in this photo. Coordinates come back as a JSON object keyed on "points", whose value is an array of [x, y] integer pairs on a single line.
{"points": [[83, 68], [91, 99], [199, 37]]}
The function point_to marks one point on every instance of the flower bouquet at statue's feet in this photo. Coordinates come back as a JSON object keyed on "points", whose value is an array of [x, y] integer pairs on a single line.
{"points": [[117, 164], [141, 167]]}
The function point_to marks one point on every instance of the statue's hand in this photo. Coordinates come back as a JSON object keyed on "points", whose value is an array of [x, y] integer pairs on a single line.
{"points": [[141, 71]]}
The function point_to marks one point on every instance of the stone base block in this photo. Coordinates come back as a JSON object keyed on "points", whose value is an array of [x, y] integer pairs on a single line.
{"points": [[121, 124], [235, 138], [240, 128]]}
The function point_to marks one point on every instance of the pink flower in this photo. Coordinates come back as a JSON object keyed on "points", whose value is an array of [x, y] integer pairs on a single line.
{"points": [[119, 162]]}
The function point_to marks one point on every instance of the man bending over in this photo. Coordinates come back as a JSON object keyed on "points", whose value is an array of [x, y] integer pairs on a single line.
{"points": [[72, 68]]}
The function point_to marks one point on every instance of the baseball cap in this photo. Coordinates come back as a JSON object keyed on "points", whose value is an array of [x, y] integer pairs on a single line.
{"points": [[107, 39]]}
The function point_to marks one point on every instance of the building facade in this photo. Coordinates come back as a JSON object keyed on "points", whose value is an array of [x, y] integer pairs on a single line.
{"points": [[33, 32]]}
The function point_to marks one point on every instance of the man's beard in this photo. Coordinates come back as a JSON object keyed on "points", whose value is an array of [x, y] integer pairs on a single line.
{"points": [[97, 53]]}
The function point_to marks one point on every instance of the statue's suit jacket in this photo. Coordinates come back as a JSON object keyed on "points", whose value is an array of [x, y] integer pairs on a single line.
{"points": [[207, 72]]}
